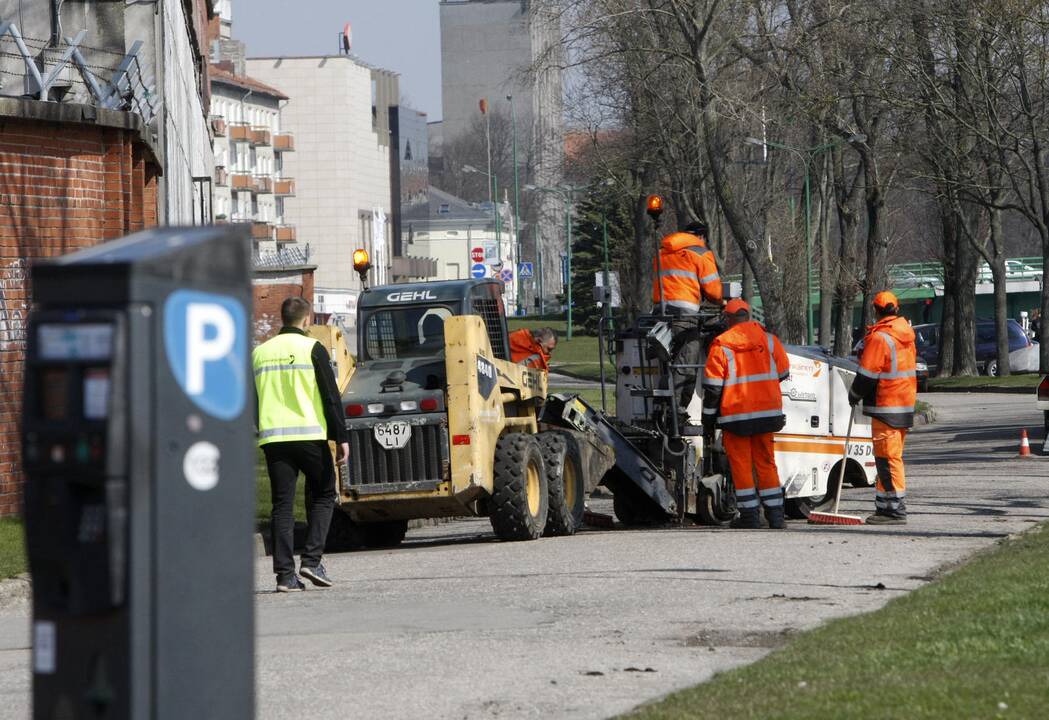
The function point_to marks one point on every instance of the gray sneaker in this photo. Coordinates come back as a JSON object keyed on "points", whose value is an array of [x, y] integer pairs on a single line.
{"points": [[316, 575], [288, 584]]}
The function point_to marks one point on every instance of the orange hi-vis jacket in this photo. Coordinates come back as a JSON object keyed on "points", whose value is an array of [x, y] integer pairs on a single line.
{"points": [[744, 368], [688, 273], [524, 350], [886, 380]]}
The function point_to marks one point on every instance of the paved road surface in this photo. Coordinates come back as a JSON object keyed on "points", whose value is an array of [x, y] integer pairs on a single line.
{"points": [[456, 625]]}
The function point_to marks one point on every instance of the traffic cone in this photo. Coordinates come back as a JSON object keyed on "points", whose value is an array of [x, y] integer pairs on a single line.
{"points": [[1025, 446]]}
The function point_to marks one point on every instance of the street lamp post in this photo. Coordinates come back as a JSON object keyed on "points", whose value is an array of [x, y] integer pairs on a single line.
{"points": [[807, 156], [517, 209], [493, 184]]}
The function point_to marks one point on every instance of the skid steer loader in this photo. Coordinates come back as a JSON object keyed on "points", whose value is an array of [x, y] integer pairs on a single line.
{"points": [[443, 424]]}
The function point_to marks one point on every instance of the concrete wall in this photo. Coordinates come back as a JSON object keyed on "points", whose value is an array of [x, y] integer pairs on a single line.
{"points": [[63, 187], [341, 171], [187, 140]]}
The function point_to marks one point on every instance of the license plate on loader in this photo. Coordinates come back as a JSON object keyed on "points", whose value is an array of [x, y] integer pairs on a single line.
{"points": [[393, 435]]}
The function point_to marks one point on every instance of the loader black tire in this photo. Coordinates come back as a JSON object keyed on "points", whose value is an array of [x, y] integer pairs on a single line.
{"points": [[565, 478], [521, 495], [386, 534], [343, 533]]}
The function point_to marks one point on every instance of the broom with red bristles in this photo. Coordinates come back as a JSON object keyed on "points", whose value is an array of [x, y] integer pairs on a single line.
{"points": [[836, 518]]}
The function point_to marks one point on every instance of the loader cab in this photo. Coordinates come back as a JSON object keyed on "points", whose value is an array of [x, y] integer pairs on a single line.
{"points": [[406, 322]]}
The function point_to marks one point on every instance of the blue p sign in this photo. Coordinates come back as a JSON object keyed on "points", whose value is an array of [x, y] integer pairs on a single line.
{"points": [[207, 349]]}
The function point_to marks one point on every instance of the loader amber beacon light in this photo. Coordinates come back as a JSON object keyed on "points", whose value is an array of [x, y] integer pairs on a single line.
{"points": [[654, 205], [361, 261]]}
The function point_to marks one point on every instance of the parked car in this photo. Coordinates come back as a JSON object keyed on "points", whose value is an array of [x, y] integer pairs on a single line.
{"points": [[1014, 270], [901, 278], [927, 341]]}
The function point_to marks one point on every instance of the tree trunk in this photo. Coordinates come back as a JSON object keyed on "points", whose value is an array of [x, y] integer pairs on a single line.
{"points": [[827, 279], [948, 324], [877, 248], [966, 266], [1001, 300]]}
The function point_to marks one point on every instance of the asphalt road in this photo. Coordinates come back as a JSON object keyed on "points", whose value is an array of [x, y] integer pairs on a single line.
{"points": [[456, 625]]}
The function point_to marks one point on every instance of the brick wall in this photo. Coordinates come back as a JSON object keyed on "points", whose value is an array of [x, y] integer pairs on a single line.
{"points": [[63, 187], [270, 289]]}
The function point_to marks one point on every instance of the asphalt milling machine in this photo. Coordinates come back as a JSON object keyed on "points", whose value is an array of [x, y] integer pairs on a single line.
{"points": [[442, 424]]}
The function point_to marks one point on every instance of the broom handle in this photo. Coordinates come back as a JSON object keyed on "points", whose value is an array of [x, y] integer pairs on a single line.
{"points": [[844, 458]]}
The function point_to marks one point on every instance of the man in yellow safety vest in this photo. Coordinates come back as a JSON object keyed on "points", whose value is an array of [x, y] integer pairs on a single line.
{"points": [[299, 411]]}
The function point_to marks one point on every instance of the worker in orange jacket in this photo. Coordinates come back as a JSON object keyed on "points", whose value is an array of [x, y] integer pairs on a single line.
{"points": [[533, 348], [887, 385], [741, 395], [686, 276]]}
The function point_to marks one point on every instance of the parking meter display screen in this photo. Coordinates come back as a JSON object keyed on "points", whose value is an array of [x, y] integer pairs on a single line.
{"points": [[96, 394], [89, 341]]}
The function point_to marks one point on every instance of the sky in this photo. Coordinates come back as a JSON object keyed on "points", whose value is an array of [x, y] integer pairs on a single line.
{"points": [[399, 35]]}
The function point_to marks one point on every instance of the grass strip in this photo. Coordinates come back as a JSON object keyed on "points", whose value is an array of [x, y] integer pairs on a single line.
{"points": [[12, 548], [1026, 380], [974, 643]]}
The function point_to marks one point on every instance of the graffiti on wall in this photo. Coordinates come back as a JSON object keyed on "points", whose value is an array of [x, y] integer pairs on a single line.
{"points": [[12, 311]]}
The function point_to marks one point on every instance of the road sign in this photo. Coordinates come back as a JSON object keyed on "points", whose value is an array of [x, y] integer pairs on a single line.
{"points": [[477, 254], [506, 275], [478, 270], [524, 270], [204, 338]]}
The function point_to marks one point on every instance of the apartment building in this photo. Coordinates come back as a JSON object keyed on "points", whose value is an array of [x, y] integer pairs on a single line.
{"points": [[341, 167], [251, 185]]}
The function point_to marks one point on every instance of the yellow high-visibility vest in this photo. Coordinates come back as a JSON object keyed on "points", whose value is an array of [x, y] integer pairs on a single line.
{"points": [[290, 406]]}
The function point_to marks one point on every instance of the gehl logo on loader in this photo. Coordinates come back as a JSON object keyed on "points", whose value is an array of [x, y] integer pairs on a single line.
{"points": [[485, 377], [411, 295]]}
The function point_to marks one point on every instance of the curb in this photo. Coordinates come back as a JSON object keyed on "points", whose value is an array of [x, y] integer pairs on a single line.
{"points": [[14, 590]]}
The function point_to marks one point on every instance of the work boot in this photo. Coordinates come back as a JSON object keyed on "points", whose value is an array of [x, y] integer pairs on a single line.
{"points": [[775, 517], [748, 519], [883, 519]]}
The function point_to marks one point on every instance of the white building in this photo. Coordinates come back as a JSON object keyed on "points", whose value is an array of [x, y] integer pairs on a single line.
{"points": [[251, 185], [456, 233], [341, 165]]}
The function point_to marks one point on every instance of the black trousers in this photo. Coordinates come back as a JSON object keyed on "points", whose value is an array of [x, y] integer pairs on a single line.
{"points": [[284, 461]]}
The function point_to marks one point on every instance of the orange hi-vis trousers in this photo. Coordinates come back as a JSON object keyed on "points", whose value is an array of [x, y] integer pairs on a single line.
{"points": [[888, 459], [749, 455]]}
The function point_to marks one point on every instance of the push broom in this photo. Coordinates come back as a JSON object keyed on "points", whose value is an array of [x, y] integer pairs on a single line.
{"points": [[836, 518]]}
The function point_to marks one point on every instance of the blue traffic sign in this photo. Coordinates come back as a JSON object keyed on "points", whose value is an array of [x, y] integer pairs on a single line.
{"points": [[506, 275], [205, 339], [524, 270], [478, 270]]}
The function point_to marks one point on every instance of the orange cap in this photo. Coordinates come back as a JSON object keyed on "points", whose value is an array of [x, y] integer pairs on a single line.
{"points": [[884, 299], [737, 306]]}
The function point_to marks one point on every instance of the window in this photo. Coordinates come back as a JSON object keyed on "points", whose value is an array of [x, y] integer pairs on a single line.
{"points": [[405, 332], [444, 209]]}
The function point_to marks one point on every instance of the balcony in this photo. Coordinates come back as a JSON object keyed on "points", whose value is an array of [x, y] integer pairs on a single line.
{"points": [[240, 133], [284, 187], [261, 230], [218, 126], [260, 136], [263, 184], [221, 176], [285, 233], [284, 142], [244, 181]]}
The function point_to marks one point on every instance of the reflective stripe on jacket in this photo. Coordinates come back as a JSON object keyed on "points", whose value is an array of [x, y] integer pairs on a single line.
{"points": [[886, 380], [688, 273], [524, 350], [290, 404], [741, 380]]}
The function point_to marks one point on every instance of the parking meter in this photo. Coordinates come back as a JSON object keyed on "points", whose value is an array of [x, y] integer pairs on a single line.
{"points": [[140, 492]]}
